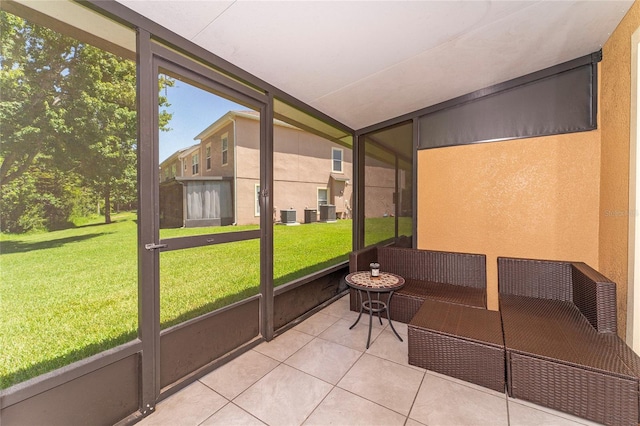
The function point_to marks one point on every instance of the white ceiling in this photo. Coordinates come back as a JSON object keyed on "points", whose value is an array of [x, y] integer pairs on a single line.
{"points": [[363, 62]]}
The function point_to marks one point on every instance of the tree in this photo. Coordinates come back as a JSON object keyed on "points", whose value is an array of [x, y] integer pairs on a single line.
{"points": [[33, 64], [68, 105]]}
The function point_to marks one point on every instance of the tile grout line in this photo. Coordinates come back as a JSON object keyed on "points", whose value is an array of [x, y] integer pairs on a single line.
{"points": [[319, 403], [468, 385], [373, 402], [367, 399], [303, 372], [283, 362], [333, 386], [506, 399], [235, 405], [424, 376]]}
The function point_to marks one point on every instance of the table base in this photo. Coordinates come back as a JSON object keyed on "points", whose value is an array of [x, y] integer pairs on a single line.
{"points": [[374, 306]]}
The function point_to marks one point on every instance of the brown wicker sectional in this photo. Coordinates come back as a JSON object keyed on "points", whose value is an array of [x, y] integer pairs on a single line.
{"points": [[444, 303], [449, 277], [559, 324], [558, 329]]}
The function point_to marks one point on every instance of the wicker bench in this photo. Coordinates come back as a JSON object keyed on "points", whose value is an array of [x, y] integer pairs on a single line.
{"points": [[559, 324], [457, 278], [458, 341]]}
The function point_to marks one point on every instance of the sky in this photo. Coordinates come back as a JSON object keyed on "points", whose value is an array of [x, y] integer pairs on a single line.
{"points": [[193, 111]]}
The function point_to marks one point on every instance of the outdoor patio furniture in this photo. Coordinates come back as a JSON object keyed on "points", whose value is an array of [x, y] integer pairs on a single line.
{"points": [[559, 323], [458, 341], [386, 283], [450, 277]]}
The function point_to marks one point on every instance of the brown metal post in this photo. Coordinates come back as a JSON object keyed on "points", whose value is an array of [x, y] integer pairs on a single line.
{"points": [[358, 191], [148, 280], [414, 189], [266, 220]]}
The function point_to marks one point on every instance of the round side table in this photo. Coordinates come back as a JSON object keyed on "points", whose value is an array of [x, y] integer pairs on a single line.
{"points": [[387, 282]]}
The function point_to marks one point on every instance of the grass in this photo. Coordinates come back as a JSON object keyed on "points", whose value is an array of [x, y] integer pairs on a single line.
{"points": [[66, 295], [378, 229], [72, 293]]}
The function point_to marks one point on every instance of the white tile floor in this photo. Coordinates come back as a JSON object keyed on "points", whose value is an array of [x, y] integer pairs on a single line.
{"points": [[320, 373]]}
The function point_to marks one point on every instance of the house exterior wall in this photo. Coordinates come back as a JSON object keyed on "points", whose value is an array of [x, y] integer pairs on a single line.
{"points": [[534, 198], [171, 169], [302, 164], [563, 197], [380, 185], [247, 146], [188, 160], [615, 104], [217, 168]]}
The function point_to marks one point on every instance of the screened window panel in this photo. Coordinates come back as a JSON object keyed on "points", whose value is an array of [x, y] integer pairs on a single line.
{"points": [[208, 200]]}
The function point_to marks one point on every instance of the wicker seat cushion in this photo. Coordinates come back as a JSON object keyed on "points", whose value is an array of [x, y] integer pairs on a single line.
{"points": [[468, 296], [557, 331], [463, 322], [459, 341]]}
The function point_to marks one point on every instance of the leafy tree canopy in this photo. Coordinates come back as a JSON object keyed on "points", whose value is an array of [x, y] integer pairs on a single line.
{"points": [[66, 107]]}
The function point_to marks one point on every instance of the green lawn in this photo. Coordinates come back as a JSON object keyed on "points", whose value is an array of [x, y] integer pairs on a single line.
{"points": [[378, 229], [69, 294], [73, 293]]}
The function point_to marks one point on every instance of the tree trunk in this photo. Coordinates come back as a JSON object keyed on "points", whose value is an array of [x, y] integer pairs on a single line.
{"points": [[107, 205]]}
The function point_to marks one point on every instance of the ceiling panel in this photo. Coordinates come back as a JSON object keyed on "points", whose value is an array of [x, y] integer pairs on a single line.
{"points": [[520, 44], [184, 17], [331, 45], [365, 62]]}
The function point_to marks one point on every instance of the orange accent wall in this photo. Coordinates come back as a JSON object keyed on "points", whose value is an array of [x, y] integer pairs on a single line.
{"points": [[615, 104], [562, 197], [536, 198]]}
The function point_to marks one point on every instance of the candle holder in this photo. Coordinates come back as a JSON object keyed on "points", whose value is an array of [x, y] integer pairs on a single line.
{"points": [[375, 270]]}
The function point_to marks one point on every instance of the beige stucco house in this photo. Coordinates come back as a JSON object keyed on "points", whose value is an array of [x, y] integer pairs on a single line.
{"points": [[217, 181]]}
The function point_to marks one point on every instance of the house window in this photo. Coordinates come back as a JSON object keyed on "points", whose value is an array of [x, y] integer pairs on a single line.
{"points": [[225, 150], [257, 200], [323, 197], [166, 174], [173, 170], [208, 150], [195, 163], [336, 160], [185, 166]]}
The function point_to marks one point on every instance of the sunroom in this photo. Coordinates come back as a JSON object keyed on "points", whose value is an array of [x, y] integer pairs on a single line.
{"points": [[506, 129]]}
